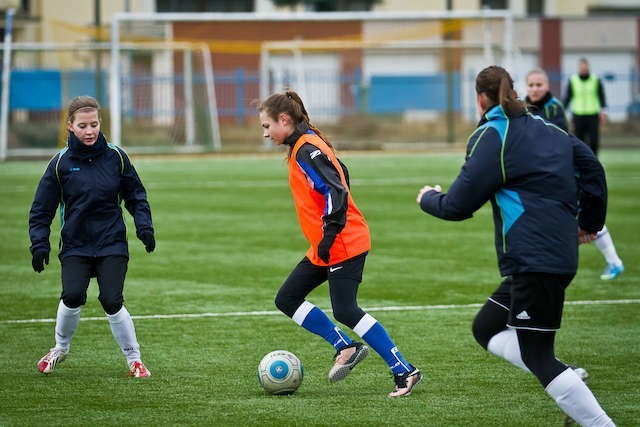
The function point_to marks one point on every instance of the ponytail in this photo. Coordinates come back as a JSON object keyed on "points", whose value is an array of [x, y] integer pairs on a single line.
{"points": [[497, 84]]}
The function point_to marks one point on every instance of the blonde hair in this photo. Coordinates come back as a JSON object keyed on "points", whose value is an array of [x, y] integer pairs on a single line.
{"points": [[80, 104], [539, 71], [290, 103]]}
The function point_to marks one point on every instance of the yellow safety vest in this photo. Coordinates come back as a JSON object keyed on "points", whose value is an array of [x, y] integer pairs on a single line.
{"points": [[585, 100]]}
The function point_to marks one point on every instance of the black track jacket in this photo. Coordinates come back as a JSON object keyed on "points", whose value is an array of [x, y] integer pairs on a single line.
{"points": [[527, 168], [89, 183]]}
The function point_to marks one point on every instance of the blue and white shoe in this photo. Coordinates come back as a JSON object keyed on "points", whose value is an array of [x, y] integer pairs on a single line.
{"points": [[612, 271]]}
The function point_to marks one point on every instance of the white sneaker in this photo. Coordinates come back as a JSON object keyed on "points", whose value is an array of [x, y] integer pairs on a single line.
{"points": [[405, 383], [346, 359], [48, 363]]}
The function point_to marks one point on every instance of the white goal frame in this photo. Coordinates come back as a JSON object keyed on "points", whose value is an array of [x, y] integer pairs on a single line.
{"points": [[120, 18]]}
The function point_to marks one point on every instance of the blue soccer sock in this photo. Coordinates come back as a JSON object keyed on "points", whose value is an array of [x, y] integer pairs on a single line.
{"points": [[314, 320], [376, 336]]}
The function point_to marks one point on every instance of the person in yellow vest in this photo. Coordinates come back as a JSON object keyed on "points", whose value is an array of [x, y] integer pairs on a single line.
{"points": [[585, 97], [339, 242]]}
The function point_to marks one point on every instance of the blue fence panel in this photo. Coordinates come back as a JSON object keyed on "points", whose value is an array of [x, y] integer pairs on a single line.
{"points": [[85, 82], [43, 89], [35, 90], [396, 94]]}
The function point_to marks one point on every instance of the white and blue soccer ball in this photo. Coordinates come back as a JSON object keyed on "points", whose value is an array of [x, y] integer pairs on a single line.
{"points": [[280, 372]]}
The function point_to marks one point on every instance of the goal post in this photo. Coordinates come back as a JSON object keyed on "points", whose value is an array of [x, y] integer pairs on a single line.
{"points": [[402, 62], [197, 102]]}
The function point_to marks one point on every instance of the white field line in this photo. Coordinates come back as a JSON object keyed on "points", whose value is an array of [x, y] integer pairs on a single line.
{"points": [[276, 312]]}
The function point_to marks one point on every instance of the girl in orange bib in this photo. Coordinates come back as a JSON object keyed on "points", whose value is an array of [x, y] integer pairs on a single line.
{"points": [[339, 242]]}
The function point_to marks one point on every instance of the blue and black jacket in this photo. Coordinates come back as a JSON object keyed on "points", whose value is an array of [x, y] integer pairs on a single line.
{"points": [[527, 168], [551, 109], [88, 184]]}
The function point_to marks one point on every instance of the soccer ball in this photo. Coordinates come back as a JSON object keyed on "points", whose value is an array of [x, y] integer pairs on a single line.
{"points": [[280, 372]]}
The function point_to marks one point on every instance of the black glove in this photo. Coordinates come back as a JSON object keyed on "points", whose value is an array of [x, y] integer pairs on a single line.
{"points": [[325, 244], [39, 259], [148, 240]]}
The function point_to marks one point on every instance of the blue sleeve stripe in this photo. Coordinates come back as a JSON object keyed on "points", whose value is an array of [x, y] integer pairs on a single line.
{"points": [[317, 184]]}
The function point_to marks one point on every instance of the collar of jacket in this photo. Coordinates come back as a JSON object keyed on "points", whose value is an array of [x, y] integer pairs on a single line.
{"points": [[489, 114], [541, 102], [495, 113], [85, 152], [301, 128]]}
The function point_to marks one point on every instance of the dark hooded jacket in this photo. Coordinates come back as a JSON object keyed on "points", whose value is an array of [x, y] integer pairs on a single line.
{"points": [[88, 184], [527, 168]]}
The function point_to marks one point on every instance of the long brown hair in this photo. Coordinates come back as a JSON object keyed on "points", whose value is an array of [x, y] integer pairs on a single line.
{"points": [[82, 103], [497, 84], [290, 103]]}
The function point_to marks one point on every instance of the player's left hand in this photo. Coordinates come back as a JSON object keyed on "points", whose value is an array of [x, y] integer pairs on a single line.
{"points": [[148, 240], [324, 247], [586, 236], [426, 189], [602, 116]]}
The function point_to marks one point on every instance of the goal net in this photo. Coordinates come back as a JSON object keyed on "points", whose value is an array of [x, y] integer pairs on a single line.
{"points": [[366, 77], [165, 95]]}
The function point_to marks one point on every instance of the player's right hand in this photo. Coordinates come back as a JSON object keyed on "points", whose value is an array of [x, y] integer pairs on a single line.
{"points": [[39, 259], [425, 189]]}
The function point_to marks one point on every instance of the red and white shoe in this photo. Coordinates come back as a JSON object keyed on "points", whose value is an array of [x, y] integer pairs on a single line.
{"points": [[138, 370], [48, 363]]}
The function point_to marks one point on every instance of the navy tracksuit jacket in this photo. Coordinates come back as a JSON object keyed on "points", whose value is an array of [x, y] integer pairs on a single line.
{"points": [[551, 109], [89, 183], [527, 168]]}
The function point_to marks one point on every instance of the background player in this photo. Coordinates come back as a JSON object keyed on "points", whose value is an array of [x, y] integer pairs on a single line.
{"points": [[551, 109]]}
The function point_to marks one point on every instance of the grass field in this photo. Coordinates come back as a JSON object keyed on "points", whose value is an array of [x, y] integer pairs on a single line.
{"points": [[227, 237]]}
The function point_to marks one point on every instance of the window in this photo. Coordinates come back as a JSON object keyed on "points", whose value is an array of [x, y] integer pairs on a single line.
{"points": [[535, 7], [494, 4], [205, 5]]}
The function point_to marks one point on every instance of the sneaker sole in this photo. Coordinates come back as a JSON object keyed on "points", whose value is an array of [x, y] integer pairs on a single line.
{"points": [[337, 374]]}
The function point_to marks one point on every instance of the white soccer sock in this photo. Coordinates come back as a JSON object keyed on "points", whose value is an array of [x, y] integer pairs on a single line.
{"points": [[125, 334], [505, 344], [576, 400], [604, 242], [66, 324]]}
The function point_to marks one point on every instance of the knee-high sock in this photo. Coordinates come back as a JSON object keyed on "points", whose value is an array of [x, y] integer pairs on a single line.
{"points": [[377, 337], [314, 320], [66, 324], [576, 400], [125, 334], [604, 242], [505, 344]]}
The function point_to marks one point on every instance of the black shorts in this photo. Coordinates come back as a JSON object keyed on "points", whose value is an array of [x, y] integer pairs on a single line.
{"points": [[534, 300], [110, 272]]}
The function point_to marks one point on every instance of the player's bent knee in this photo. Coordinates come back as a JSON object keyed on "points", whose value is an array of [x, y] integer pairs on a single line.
{"points": [[111, 307], [287, 304], [481, 335], [348, 316], [74, 300]]}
